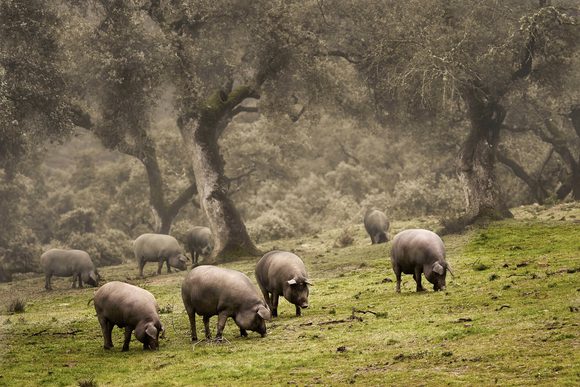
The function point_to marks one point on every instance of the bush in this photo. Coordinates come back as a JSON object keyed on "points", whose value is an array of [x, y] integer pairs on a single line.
{"points": [[110, 248], [80, 220], [271, 225], [17, 306], [345, 238]]}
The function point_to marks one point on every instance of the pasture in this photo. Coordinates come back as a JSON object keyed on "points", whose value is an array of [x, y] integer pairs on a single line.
{"points": [[510, 316]]}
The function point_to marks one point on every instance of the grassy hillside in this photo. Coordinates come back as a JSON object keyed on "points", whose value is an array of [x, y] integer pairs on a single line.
{"points": [[509, 316]]}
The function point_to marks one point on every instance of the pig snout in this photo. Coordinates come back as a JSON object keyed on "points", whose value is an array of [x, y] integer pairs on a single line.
{"points": [[304, 305]]}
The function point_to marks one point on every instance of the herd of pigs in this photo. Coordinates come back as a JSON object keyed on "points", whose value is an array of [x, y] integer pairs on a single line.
{"points": [[210, 290]]}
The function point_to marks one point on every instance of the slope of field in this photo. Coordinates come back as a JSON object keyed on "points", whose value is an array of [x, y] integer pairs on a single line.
{"points": [[509, 316]]}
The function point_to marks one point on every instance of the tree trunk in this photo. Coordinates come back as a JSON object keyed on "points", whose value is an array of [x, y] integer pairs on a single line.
{"points": [[477, 159], [231, 239]]}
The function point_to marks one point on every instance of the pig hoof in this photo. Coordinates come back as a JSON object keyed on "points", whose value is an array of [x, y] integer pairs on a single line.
{"points": [[125, 349]]}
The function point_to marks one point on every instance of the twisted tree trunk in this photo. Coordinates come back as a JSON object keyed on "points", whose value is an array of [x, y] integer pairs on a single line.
{"points": [[478, 156], [201, 135]]}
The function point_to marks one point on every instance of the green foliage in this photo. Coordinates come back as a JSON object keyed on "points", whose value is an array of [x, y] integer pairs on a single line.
{"points": [[34, 100]]}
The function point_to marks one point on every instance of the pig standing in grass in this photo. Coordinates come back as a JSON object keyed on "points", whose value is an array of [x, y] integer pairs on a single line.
{"points": [[159, 248], [129, 307], [283, 273], [210, 290], [199, 242], [64, 263], [377, 226], [419, 251]]}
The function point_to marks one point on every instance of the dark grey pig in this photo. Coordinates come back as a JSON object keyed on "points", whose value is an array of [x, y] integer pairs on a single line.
{"points": [[159, 248], [210, 290], [64, 263], [129, 307], [419, 251], [377, 226], [199, 241], [283, 273]]}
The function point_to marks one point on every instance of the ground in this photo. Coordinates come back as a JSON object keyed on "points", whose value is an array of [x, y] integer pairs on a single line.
{"points": [[510, 316]]}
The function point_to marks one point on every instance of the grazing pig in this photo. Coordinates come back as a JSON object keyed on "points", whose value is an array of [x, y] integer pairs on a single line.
{"points": [[210, 290], [419, 251], [129, 307], [199, 242], [64, 263], [283, 273], [377, 226], [159, 248]]}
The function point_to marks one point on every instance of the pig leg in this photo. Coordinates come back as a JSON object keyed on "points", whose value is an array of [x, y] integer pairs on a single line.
{"points": [[47, 282], [159, 265], [167, 263], [298, 311], [397, 271], [74, 284], [80, 278], [107, 328], [128, 331], [192, 325], [417, 277], [222, 317], [206, 327], [266, 296], [141, 265], [275, 299], [243, 332]]}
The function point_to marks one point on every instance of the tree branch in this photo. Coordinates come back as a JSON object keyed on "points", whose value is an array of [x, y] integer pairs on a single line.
{"points": [[537, 190], [182, 199]]}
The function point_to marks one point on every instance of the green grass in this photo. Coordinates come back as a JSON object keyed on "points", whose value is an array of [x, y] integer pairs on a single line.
{"points": [[514, 322]]}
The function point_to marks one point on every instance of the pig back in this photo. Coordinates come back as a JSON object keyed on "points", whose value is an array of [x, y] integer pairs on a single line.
{"points": [[151, 247], [198, 237], [375, 221], [125, 304], [64, 263], [416, 247], [277, 267], [208, 290]]}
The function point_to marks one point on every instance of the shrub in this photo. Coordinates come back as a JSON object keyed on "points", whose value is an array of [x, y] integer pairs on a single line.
{"points": [[110, 248], [17, 305], [345, 238], [80, 220], [87, 383], [271, 225]]}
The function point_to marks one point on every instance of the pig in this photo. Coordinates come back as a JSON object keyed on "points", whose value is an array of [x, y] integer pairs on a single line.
{"points": [[199, 241], [159, 248], [64, 263], [209, 290], [419, 251], [283, 273], [130, 307], [377, 226]]}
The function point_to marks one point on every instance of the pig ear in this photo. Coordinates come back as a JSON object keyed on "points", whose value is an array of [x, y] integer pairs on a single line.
{"points": [[437, 268], [449, 268], [264, 313], [292, 282], [151, 331]]}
